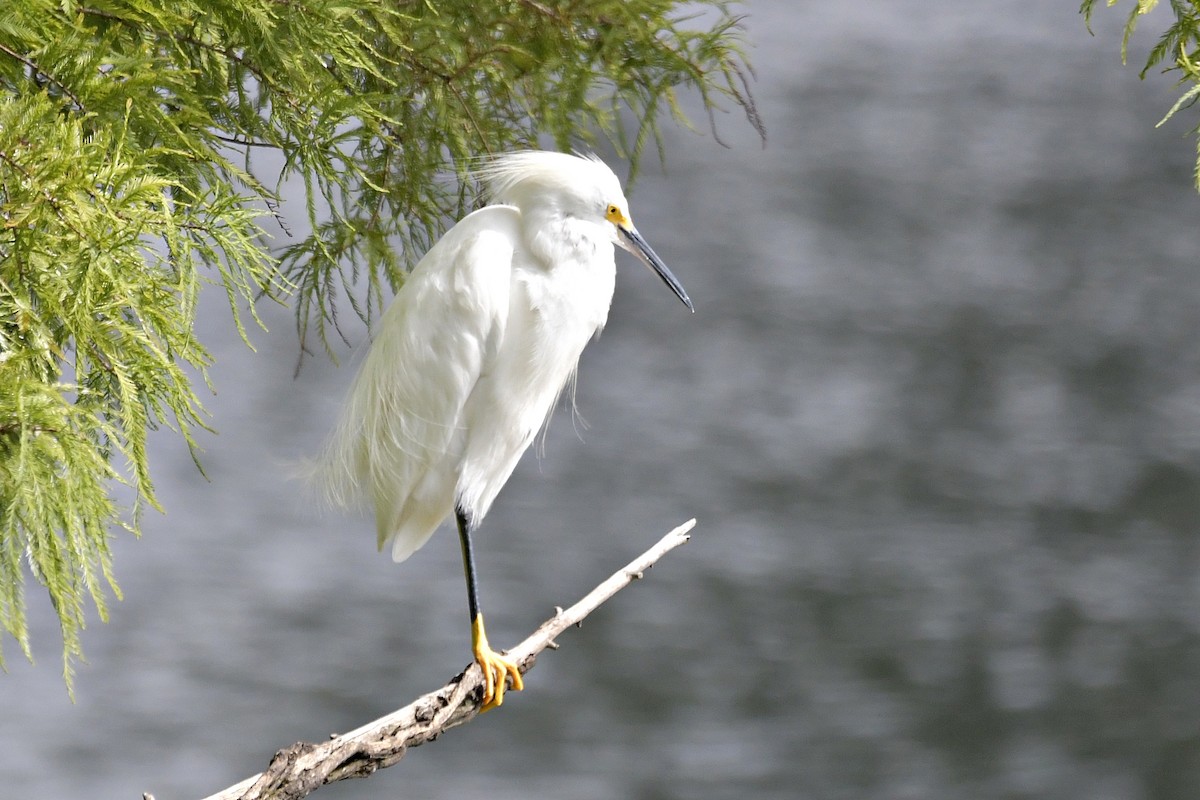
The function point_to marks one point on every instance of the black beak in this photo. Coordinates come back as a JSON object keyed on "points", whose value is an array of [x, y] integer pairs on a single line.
{"points": [[632, 241]]}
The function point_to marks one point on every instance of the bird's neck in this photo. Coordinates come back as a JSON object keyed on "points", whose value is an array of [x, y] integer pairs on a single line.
{"points": [[554, 238]]}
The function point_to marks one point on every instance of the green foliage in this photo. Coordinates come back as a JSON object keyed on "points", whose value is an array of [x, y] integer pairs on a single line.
{"points": [[130, 136], [458, 80], [1178, 47]]}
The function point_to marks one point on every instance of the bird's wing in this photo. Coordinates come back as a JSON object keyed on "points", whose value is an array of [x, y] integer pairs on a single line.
{"points": [[401, 433]]}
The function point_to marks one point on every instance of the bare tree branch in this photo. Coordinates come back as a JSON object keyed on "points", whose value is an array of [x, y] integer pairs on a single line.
{"points": [[304, 767]]}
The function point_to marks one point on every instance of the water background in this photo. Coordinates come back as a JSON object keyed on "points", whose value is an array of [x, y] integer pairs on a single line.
{"points": [[938, 414]]}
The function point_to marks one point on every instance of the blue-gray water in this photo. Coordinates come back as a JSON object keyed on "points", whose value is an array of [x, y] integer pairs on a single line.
{"points": [[938, 413]]}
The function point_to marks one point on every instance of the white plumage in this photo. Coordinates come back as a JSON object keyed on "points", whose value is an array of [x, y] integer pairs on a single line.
{"points": [[470, 358]]}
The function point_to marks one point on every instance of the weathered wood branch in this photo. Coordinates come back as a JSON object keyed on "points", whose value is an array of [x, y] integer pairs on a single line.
{"points": [[304, 767]]}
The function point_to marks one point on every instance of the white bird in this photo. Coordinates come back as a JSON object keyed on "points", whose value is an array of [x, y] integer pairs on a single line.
{"points": [[468, 361]]}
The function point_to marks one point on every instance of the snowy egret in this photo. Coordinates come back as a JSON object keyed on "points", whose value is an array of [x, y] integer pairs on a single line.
{"points": [[472, 355]]}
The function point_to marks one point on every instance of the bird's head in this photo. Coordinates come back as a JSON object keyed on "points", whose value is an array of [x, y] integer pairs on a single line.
{"points": [[573, 187]]}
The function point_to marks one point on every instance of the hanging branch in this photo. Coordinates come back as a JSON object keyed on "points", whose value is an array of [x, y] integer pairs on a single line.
{"points": [[304, 767]]}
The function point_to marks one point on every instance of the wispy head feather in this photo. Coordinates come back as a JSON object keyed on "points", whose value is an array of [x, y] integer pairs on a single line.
{"points": [[514, 177]]}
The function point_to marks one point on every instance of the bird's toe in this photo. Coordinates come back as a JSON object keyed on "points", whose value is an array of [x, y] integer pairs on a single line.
{"points": [[498, 672]]}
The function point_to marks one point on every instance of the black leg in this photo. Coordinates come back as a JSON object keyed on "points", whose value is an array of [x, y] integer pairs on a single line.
{"points": [[468, 555], [497, 670]]}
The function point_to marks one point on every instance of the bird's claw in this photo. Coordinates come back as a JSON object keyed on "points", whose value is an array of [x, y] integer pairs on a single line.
{"points": [[497, 669], [497, 672]]}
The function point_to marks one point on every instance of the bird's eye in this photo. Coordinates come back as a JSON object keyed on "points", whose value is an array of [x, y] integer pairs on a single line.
{"points": [[613, 214]]}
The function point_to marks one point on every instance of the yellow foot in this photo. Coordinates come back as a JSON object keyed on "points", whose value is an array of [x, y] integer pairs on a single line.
{"points": [[497, 669]]}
